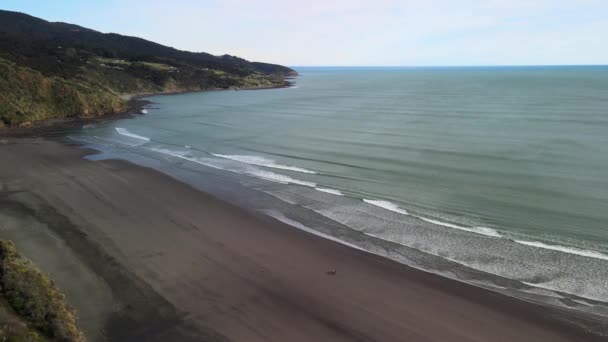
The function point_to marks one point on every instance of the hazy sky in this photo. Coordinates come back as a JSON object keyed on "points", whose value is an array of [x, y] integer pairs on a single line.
{"points": [[355, 32]]}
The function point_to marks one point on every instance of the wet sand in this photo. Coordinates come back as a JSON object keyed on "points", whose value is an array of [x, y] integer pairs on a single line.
{"points": [[144, 257]]}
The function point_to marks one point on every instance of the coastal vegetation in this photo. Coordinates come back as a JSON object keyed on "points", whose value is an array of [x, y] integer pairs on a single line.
{"points": [[27, 95], [55, 70], [31, 307]]}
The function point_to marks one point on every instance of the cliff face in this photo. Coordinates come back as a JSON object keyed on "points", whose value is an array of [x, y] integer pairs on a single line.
{"points": [[26, 95], [53, 70]]}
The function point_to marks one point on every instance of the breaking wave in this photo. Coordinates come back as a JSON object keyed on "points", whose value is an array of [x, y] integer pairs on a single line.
{"points": [[247, 170], [564, 249], [478, 230], [278, 178], [386, 205], [280, 217], [330, 191], [261, 161], [125, 132]]}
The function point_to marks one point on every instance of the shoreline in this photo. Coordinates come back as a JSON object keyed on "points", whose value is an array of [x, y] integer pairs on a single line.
{"points": [[57, 128], [247, 191], [213, 269], [138, 96], [135, 104]]}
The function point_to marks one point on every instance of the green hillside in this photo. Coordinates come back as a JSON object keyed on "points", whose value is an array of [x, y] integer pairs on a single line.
{"points": [[52, 70]]}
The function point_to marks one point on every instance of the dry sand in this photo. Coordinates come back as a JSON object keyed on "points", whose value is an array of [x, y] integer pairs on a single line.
{"points": [[144, 257]]}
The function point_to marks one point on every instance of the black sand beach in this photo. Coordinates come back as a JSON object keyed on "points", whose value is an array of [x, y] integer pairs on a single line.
{"points": [[143, 257]]}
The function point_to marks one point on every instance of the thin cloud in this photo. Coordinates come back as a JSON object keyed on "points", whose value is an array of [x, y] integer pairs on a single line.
{"points": [[357, 32]]}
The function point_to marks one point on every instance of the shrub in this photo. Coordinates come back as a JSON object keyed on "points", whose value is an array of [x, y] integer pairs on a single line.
{"points": [[34, 296]]}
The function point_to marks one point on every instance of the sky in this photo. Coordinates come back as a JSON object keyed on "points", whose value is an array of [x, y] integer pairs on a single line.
{"points": [[355, 32]]}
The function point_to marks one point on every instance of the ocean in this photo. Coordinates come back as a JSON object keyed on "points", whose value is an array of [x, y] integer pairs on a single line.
{"points": [[495, 176]]}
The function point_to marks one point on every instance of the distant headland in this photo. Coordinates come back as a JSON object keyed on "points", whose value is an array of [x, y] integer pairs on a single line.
{"points": [[58, 70]]}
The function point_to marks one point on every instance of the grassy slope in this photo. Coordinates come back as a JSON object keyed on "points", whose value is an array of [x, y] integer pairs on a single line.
{"points": [[33, 296], [14, 328], [27, 95]]}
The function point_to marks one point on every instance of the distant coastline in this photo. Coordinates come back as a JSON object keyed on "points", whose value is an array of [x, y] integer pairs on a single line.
{"points": [[57, 70], [136, 104]]}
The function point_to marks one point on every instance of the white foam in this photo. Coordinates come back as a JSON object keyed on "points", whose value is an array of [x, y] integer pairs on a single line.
{"points": [[386, 205], [330, 191], [116, 141], [478, 230], [170, 152], [395, 208], [278, 178], [280, 217], [251, 171], [144, 111], [261, 161], [543, 289], [484, 231], [564, 249], [125, 132], [582, 302]]}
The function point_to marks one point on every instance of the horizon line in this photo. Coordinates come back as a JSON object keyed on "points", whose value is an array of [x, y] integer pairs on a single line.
{"points": [[447, 66]]}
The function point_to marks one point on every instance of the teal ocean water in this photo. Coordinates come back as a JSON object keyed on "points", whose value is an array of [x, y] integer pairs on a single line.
{"points": [[495, 176]]}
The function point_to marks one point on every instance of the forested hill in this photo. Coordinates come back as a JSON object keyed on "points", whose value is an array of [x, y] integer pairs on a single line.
{"points": [[50, 70]]}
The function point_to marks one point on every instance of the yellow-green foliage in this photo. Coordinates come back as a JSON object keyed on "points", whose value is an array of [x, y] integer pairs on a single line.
{"points": [[34, 296], [112, 61], [158, 66], [27, 95], [52, 70], [257, 81], [14, 328]]}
